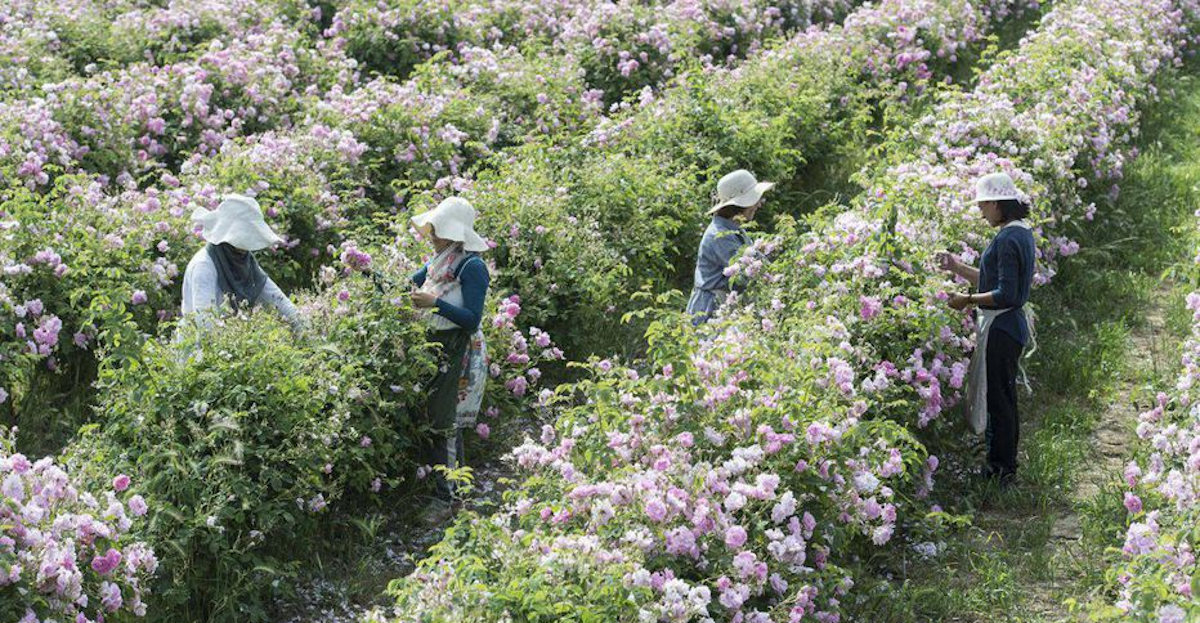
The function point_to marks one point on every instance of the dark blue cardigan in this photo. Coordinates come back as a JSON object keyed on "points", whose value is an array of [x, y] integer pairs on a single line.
{"points": [[1006, 270]]}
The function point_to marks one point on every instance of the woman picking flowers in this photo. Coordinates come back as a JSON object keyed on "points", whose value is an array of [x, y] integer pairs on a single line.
{"points": [[225, 271], [739, 196], [1003, 280], [453, 285]]}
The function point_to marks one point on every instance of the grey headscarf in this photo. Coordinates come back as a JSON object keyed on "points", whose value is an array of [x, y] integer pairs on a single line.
{"points": [[239, 276]]}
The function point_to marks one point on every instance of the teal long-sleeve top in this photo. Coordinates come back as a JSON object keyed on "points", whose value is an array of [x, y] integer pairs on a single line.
{"points": [[1006, 271], [475, 281]]}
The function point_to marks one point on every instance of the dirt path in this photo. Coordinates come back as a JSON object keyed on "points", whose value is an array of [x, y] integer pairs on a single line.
{"points": [[355, 583], [1112, 438]]}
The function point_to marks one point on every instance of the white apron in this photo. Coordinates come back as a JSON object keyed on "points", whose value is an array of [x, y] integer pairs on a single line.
{"points": [[977, 414]]}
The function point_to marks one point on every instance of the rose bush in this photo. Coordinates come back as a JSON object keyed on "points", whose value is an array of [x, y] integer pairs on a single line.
{"points": [[242, 435], [83, 273], [724, 477]]}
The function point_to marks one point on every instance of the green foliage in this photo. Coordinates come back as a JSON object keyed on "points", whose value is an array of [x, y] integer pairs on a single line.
{"points": [[241, 434], [395, 37]]}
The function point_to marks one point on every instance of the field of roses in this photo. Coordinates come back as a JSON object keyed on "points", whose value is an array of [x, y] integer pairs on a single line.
{"points": [[735, 472], [263, 103], [106, 152]]}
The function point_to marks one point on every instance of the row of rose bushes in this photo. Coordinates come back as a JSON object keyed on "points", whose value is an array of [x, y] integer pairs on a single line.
{"points": [[242, 440], [579, 227], [736, 474], [1060, 115], [44, 42], [622, 47], [1155, 578], [494, 87]]}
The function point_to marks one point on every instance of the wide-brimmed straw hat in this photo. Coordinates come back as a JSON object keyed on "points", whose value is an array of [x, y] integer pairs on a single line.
{"points": [[453, 219], [237, 221], [996, 187], [741, 189]]}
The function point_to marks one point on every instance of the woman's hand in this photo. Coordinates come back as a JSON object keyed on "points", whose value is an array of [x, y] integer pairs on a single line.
{"points": [[423, 299], [950, 264], [959, 301], [947, 262]]}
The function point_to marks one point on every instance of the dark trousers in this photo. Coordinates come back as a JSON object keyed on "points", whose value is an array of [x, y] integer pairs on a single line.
{"points": [[1004, 427], [443, 445]]}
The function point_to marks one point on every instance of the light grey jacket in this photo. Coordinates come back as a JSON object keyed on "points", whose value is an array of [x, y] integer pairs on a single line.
{"points": [[722, 241]]}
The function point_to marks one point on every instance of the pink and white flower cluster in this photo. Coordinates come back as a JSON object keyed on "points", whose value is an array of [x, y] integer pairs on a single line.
{"points": [[526, 350], [65, 554]]}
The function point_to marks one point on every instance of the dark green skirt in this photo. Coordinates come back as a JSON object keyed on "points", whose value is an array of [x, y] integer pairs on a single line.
{"points": [[442, 407]]}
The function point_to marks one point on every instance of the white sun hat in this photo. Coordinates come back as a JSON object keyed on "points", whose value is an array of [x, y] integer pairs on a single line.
{"points": [[453, 219], [741, 189], [996, 187], [237, 221]]}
